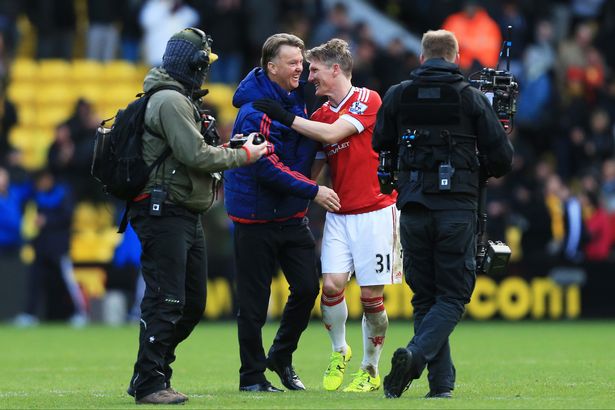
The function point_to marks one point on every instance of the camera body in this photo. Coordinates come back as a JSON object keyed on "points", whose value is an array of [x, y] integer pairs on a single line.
{"points": [[238, 140], [492, 258], [387, 172], [208, 129], [500, 87]]}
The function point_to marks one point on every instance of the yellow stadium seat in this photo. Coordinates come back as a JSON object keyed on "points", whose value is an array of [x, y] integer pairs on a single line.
{"points": [[24, 70], [105, 111], [227, 114], [54, 95], [120, 95], [54, 70], [142, 71], [105, 216], [33, 158], [31, 138], [46, 135], [20, 137], [219, 94], [119, 71], [84, 217], [221, 97], [91, 280], [22, 92], [87, 71], [53, 115], [26, 114], [91, 92]]}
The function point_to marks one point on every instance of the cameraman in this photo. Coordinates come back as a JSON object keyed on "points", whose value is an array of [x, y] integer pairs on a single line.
{"points": [[167, 214], [435, 123]]}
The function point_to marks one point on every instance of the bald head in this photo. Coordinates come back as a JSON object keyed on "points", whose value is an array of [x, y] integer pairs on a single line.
{"points": [[439, 44]]}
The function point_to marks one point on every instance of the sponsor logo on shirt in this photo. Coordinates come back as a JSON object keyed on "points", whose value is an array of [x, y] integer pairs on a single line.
{"points": [[335, 148], [357, 108]]}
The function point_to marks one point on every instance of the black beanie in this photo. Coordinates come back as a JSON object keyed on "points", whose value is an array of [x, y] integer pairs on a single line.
{"points": [[181, 50]]}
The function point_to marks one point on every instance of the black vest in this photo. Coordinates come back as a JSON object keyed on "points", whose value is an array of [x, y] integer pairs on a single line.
{"points": [[435, 132]]}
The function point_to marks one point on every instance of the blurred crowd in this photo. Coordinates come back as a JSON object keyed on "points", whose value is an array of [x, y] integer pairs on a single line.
{"points": [[556, 208]]}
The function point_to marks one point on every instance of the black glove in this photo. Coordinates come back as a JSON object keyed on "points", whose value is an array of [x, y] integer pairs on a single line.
{"points": [[275, 111]]}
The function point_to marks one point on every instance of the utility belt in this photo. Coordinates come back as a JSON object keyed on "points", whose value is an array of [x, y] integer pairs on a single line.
{"points": [[155, 206]]}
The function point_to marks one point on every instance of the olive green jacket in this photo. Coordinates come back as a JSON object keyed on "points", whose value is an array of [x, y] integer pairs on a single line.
{"points": [[187, 172]]}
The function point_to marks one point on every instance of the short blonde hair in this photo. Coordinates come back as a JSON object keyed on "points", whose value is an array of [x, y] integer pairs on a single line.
{"points": [[334, 51], [439, 43], [272, 46]]}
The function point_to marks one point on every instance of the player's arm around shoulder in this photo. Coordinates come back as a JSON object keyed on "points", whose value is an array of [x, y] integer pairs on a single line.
{"points": [[323, 132]]}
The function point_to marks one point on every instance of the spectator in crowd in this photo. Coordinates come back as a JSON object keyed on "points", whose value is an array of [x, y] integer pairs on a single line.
{"points": [[55, 23], [124, 272], [599, 228], [510, 15], [226, 22], [536, 106], [70, 155], [608, 185], [575, 232], [600, 143], [12, 199], [336, 24], [479, 36], [160, 19], [52, 263], [9, 157], [535, 224], [553, 201], [365, 59], [606, 33], [390, 65], [9, 13], [577, 55], [103, 34], [264, 20], [131, 31]]}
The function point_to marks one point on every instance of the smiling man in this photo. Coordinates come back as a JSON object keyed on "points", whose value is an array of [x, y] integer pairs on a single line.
{"points": [[267, 202], [360, 237]]}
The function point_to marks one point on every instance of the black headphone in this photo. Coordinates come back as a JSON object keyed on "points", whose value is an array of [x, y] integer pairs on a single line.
{"points": [[200, 60]]}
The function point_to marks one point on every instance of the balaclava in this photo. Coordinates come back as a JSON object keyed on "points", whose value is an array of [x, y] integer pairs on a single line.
{"points": [[182, 59]]}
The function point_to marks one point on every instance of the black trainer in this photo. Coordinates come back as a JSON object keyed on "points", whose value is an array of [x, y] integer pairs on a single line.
{"points": [[400, 377], [444, 394], [261, 387], [287, 375]]}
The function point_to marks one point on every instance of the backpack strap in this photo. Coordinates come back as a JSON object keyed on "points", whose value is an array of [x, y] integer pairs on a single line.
{"points": [[156, 164], [124, 222]]}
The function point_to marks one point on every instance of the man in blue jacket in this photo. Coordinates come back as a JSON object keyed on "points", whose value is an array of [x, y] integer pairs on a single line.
{"points": [[267, 202]]}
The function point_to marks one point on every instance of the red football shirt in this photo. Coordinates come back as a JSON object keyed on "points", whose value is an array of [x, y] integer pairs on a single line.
{"points": [[352, 161]]}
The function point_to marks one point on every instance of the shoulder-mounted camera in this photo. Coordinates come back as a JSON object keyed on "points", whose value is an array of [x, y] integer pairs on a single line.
{"points": [[499, 86]]}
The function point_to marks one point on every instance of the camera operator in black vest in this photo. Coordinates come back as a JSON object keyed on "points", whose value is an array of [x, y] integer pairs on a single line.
{"points": [[438, 127]]}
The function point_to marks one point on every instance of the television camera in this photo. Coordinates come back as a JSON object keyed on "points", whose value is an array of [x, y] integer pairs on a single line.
{"points": [[501, 88]]}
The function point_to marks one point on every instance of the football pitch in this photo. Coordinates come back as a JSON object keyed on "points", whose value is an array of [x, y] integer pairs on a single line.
{"points": [[521, 365]]}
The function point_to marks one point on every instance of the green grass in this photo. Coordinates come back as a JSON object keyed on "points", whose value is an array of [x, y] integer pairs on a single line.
{"points": [[541, 365]]}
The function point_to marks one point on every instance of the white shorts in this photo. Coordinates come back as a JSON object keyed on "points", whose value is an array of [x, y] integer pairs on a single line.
{"points": [[366, 244]]}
